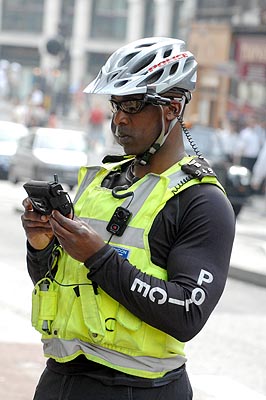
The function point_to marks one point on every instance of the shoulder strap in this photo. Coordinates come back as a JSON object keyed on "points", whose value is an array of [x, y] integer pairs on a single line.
{"points": [[197, 171], [198, 168]]}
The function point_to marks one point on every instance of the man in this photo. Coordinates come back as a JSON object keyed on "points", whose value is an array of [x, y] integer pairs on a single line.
{"points": [[136, 273], [250, 141], [259, 175]]}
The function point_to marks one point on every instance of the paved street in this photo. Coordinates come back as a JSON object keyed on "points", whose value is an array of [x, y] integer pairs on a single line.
{"points": [[249, 255], [225, 361]]}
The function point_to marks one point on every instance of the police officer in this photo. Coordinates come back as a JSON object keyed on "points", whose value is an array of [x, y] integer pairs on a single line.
{"points": [[122, 284]]}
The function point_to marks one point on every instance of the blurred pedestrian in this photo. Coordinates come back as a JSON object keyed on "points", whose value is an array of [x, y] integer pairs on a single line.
{"points": [[4, 82], [228, 139], [250, 141], [20, 111], [96, 121], [259, 174], [52, 120], [36, 97]]}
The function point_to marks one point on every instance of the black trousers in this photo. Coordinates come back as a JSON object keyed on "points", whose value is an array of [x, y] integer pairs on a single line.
{"points": [[53, 386]]}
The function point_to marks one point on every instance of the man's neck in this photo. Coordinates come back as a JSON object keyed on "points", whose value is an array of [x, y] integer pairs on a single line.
{"points": [[157, 164]]}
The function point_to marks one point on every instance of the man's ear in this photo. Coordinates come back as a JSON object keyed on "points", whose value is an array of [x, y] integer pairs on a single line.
{"points": [[172, 111]]}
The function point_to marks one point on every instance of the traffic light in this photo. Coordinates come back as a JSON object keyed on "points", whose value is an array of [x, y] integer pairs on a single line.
{"points": [[56, 45]]}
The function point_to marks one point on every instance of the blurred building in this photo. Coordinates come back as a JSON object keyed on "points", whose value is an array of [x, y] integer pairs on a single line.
{"points": [[80, 33], [57, 46], [228, 37]]}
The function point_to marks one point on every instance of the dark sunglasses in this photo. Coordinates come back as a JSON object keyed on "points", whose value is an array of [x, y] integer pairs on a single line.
{"points": [[133, 106]]}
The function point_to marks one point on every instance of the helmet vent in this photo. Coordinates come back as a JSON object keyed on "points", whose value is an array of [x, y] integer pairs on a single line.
{"points": [[189, 65], [114, 75], [173, 69], [143, 64], [145, 45], [151, 79], [121, 83], [167, 53], [126, 59]]}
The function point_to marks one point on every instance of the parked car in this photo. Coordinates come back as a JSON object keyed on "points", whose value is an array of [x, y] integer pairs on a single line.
{"points": [[48, 151], [10, 132], [234, 178]]}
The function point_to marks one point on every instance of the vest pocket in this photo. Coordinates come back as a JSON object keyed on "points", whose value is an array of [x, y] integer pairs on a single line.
{"points": [[91, 314], [129, 333], [44, 306], [173, 346], [128, 320]]}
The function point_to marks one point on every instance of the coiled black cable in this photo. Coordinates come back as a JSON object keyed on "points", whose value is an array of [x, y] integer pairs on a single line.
{"points": [[189, 137]]}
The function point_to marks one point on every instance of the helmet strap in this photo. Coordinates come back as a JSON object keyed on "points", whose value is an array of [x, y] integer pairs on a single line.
{"points": [[144, 158]]}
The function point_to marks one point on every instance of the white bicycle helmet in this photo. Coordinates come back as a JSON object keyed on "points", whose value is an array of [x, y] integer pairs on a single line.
{"points": [[150, 66], [157, 62]]}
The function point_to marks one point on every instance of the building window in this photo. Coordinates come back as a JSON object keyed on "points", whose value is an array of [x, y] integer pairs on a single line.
{"points": [[26, 56], [217, 10], [95, 63], [67, 15], [109, 19], [176, 19], [149, 18], [22, 15], [215, 3]]}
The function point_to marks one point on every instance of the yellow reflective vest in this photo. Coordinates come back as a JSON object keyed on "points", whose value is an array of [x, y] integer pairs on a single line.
{"points": [[73, 318]]}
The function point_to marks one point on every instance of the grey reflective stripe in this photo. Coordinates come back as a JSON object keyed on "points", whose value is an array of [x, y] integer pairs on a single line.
{"points": [[176, 178], [63, 348], [88, 178], [141, 193], [132, 236]]}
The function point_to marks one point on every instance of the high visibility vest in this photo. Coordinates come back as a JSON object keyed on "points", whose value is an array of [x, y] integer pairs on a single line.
{"points": [[75, 319]]}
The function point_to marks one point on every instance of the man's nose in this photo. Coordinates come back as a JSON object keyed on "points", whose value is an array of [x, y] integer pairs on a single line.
{"points": [[120, 118]]}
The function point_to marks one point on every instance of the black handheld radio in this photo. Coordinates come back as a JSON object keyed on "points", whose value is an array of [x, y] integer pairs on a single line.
{"points": [[48, 196]]}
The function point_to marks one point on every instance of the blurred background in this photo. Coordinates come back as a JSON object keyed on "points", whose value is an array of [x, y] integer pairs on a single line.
{"points": [[49, 51]]}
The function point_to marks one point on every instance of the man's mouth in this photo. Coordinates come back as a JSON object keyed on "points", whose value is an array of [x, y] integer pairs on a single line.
{"points": [[123, 138]]}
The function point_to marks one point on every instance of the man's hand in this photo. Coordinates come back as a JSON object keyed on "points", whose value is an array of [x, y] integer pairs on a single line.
{"points": [[76, 237], [37, 226]]}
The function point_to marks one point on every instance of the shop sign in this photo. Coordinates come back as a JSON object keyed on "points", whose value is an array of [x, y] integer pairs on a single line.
{"points": [[251, 58]]}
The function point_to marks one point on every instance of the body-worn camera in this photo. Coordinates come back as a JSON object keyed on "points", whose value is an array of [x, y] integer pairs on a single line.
{"points": [[119, 221], [48, 196]]}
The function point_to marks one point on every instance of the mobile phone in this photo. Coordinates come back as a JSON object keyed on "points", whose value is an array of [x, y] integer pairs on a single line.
{"points": [[48, 196]]}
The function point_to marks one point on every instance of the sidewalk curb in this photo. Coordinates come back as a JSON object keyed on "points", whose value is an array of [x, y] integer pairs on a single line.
{"points": [[244, 275]]}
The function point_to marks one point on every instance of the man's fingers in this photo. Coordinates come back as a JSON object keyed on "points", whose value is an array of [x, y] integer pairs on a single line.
{"points": [[30, 214], [27, 204], [64, 227], [64, 222]]}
